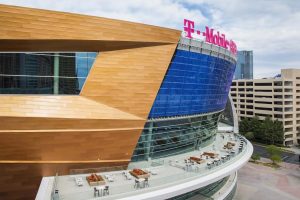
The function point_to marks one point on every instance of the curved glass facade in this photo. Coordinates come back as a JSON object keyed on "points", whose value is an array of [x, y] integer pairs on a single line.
{"points": [[174, 136], [194, 83], [44, 73], [186, 110]]}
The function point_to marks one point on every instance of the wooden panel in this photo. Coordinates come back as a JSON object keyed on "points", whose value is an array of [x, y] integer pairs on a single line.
{"points": [[59, 107], [68, 146], [21, 181], [27, 24], [71, 45], [108, 116], [129, 79], [42, 124]]}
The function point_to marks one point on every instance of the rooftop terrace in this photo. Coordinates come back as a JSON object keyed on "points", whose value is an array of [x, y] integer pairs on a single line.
{"points": [[173, 175]]}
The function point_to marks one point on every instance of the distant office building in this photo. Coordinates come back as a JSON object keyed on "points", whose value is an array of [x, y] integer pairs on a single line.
{"points": [[244, 67], [278, 98]]}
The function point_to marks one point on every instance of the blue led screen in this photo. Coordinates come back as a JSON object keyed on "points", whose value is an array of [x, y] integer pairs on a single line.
{"points": [[194, 83]]}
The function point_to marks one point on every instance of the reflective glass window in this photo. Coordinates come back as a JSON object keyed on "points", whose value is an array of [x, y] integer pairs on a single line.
{"points": [[44, 73], [194, 83]]}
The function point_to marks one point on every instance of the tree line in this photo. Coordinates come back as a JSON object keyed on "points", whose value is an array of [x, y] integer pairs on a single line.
{"points": [[266, 131]]}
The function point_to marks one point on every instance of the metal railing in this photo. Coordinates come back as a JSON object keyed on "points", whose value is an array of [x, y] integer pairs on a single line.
{"points": [[55, 191]]}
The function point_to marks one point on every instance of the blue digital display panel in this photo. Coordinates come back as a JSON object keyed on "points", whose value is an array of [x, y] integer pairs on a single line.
{"points": [[194, 83]]}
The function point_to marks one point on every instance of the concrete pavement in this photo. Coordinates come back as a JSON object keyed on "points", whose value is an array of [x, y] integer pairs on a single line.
{"points": [[256, 182]]}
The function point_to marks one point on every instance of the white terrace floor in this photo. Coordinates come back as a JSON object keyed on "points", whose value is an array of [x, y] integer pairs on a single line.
{"points": [[167, 174]]}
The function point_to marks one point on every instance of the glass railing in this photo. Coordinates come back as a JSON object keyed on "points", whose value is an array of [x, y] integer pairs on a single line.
{"points": [[98, 169]]}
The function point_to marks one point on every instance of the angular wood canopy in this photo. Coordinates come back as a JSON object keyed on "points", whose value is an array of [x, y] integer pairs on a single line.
{"points": [[42, 135]]}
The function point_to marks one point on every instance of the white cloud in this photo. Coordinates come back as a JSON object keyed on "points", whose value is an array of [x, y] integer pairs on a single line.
{"points": [[167, 13], [268, 27]]}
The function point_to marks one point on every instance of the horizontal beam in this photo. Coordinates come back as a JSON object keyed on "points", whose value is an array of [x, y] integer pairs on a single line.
{"points": [[61, 45], [59, 161]]}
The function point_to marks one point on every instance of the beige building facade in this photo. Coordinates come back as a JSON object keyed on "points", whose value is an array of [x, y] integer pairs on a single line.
{"points": [[278, 98]]}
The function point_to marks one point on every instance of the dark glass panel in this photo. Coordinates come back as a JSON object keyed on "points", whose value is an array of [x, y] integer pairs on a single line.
{"points": [[175, 136], [33, 73]]}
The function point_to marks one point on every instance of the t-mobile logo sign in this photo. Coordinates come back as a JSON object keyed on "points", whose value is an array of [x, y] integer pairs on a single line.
{"points": [[210, 36]]}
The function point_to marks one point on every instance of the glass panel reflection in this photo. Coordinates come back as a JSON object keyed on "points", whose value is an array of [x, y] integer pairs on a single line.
{"points": [[44, 73], [195, 83], [175, 136]]}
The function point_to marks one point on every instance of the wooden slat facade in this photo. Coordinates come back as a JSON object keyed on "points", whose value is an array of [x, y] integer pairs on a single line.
{"points": [[129, 79], [43, 135]]}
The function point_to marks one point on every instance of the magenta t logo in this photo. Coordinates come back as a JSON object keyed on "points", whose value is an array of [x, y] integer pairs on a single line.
{"points": [[210, 35], [189, 27]]}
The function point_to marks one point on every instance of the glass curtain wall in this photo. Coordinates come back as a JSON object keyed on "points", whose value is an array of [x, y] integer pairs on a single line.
{"points": [[186, 110], [44, 73], [162, 138], [194, 83]]}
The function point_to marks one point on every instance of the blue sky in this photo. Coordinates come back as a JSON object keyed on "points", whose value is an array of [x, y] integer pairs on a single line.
{"points": [[270, 28]]}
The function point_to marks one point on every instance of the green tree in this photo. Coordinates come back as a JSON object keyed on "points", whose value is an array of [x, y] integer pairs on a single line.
{"points": [[249, 135], [256, 126], [274, 153], [275, 159], [273, 150], [272, 131], [244, 126], [255, 157], [268, 130], [278, 133]]}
